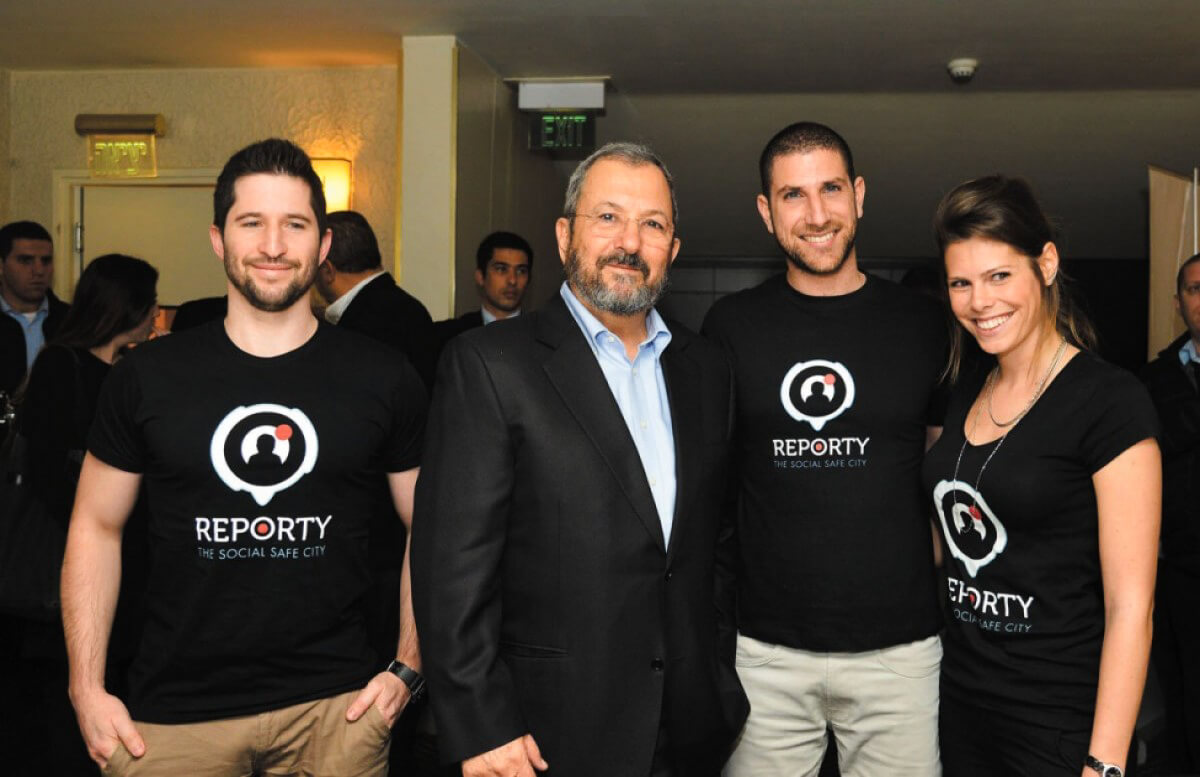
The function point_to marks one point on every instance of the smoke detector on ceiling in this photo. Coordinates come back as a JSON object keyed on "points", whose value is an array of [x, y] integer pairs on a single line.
{"points": [[962, 69]]}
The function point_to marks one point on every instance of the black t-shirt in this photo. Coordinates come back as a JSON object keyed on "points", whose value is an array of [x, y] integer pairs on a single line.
{"points": [[1025, 603], [259, 476], [833, 398]]}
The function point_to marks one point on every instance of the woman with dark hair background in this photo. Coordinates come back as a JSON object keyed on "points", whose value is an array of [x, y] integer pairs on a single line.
{"points": [[114, 306], [1046, 488]]}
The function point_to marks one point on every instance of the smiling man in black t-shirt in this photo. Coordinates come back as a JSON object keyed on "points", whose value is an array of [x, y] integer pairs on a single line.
{"points": [[837, 390], [260, 441]]}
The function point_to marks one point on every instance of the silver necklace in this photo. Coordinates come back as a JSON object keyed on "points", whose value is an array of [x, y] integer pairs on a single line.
{"points": [[991, 384], [974, 508]]}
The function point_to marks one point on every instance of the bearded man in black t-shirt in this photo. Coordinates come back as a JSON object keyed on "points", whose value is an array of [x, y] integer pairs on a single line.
{"points": [[837, 378], [261, 441]]}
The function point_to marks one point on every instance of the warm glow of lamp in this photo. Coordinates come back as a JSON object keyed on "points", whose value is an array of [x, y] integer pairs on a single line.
{"points": [[335, 175]]}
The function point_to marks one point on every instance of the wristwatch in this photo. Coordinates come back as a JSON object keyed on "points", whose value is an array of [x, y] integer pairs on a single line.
{"points": [[1103, 769], [413, 679]]}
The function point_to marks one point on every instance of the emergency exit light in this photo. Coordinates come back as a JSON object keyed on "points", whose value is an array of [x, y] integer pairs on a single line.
{"points": [[562, 132]]}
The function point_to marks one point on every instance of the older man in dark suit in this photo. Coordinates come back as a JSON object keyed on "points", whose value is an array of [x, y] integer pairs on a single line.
{"points": [[364, 297], [570, 509]]}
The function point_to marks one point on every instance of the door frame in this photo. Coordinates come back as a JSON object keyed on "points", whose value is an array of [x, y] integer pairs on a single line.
{"points": [[67, 188]]}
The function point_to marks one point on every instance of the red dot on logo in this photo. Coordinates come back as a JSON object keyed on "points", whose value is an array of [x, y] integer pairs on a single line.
{"points": [[283, 432], [818, 447], [972, 598], [975, 513], [261, 528], [830, 379]]}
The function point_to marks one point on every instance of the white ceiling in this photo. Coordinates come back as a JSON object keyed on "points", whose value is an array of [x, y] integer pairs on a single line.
{"points": [[648, 46]]}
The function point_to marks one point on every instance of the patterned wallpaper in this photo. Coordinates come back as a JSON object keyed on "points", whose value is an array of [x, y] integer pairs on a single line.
{"points": [[342, 112]]}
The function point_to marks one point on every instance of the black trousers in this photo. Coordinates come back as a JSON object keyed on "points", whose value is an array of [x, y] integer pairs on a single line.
{"points": [[979, 743], [1175, 653]]}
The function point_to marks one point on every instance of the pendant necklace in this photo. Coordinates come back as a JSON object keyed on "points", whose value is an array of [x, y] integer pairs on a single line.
{"points": [[989, 384]]}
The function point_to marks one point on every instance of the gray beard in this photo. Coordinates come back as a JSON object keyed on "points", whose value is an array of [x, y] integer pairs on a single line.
{"points": [[620, 300]]}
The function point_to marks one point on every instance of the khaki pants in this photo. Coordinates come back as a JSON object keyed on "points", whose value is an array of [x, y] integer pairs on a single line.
{"points": [[312, 739], [882, 706]]}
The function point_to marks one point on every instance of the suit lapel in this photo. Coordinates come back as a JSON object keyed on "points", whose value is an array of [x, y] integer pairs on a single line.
{"points": [[682, 376], [573, 371]]}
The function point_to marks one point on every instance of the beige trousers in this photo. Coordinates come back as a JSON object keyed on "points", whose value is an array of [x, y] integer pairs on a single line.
{"points": [[882, 706], [312, 739]]}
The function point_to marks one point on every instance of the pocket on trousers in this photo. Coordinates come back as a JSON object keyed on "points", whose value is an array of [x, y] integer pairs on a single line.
{"points": [[914, 660], [117, 762], [377, 722], [752, 652]]}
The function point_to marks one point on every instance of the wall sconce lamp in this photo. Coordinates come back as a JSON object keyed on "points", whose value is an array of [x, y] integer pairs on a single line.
{"points": [[337, 177]]}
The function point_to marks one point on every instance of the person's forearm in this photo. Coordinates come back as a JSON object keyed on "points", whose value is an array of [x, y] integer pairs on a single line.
{"points": [[1123, 659], [408, 650], [90, 581]]}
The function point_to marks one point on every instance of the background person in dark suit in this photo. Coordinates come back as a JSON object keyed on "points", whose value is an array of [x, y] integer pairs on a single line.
{"points": [[570, 510], [29, 311], [504, 261], [362, 296]]}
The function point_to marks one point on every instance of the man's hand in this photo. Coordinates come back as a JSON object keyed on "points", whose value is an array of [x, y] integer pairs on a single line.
{"points": [[517, 758], [387, 692], [105, 724]]}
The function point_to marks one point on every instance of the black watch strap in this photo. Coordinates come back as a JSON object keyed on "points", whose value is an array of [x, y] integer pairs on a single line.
{"points": [[410, 677], [1101, 768]]}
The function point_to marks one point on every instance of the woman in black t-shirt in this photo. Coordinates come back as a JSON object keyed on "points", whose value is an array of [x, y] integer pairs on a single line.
{"points": [[114, 306], [1046, 488]]}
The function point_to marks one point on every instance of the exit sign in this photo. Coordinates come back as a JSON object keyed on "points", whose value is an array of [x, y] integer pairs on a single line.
{"points": [[562, 132]]}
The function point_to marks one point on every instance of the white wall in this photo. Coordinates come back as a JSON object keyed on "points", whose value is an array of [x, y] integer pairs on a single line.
{"points": [[501, 184]]}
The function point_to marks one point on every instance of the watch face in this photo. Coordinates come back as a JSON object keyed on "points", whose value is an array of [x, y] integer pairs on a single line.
{"points": [[1112, 771]]}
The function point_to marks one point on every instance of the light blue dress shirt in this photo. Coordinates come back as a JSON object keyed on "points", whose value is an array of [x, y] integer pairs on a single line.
{"points": [[32, 329], [1187, 354], [641, 394]]}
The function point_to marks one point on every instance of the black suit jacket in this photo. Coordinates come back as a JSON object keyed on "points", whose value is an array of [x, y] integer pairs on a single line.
{"points": [[388, 313], [445, 331], [12, 343], [545, 598], [1176, 396]]}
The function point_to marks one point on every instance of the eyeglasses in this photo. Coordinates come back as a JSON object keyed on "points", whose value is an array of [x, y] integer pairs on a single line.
{"points": [[1192, 289], [652, 230]]}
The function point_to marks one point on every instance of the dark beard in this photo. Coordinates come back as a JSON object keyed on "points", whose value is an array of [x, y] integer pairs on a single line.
{"points": [[295, 290], [798, 262], [591, 289]]}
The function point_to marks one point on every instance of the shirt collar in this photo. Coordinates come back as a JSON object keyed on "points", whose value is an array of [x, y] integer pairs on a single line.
{"points": [[489, 317], [337, 308], [10, 310], [1188, 354], [656, 329]]}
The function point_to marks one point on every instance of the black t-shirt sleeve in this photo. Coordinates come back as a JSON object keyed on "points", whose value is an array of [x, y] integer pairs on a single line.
{"points": [[1122, 416], [115, 437], [410, 403]]}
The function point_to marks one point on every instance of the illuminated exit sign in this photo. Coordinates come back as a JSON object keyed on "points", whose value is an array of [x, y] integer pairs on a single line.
{"points": [[122, 156], [562, 132]]}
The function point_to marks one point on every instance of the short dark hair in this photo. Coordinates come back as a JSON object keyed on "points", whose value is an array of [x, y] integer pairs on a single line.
{"points": [[488, 247], [274, 156], [354, 247], [801, 138], [114, 294], [20, 230], [1179, 275], [629, 153]]}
